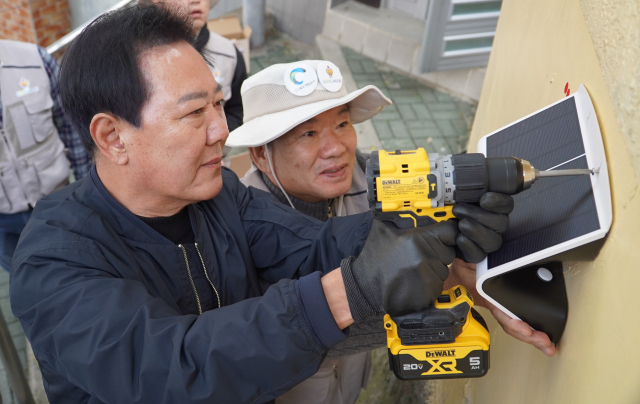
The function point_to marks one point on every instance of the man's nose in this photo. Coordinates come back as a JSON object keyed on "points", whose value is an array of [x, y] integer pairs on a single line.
{"points": [[217, 129], [332, 144]]}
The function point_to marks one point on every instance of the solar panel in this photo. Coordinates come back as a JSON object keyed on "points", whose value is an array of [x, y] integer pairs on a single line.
{"points": [[554, 210], [555, 214]]}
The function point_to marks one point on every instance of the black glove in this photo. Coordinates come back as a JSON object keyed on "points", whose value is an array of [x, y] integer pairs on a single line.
{"points": [[399, 271], [481, 226]]}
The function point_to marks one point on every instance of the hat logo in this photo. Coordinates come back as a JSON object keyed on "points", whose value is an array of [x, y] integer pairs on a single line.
{"points": [[300, 79], [293, 73], [329, 77]]}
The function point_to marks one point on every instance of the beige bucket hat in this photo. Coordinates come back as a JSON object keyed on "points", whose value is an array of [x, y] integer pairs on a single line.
{"points": [[283, 96]]}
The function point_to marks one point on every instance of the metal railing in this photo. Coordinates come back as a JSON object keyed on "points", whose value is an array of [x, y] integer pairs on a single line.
{"points": [[15, 373], [66, 40]]}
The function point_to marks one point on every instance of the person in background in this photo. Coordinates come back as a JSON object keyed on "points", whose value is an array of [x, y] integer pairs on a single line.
{"points": [[317, 169], [38, 142], [229, 68]]}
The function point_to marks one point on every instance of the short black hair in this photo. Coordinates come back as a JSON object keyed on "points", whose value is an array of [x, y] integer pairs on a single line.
{"points": [[100, 72]]}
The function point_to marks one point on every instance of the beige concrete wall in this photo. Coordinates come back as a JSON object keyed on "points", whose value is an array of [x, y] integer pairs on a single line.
{"points": [[615, 31], [540, 46]]}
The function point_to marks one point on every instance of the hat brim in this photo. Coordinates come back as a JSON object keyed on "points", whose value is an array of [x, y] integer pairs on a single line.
{"points": [[363, 104]]}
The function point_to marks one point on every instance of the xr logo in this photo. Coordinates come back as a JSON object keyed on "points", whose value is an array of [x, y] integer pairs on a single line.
{"points": [[442, 366]]}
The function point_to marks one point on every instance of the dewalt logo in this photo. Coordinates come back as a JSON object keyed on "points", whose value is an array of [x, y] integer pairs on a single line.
{"points": [[390, 182], [436, 354]]}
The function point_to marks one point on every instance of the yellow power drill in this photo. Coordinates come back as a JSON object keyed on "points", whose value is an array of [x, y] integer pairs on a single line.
{"points": [[412, 188]]}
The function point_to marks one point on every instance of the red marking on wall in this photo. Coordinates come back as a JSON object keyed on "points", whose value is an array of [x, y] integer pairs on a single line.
{"points": [[567, 90]]}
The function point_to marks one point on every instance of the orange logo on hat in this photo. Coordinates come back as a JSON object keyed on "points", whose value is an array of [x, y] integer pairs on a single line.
{"points": [[329, 71]]}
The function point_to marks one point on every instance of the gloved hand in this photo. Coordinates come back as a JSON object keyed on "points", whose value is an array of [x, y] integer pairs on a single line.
{"points": [[481, 226], [399, 271]]}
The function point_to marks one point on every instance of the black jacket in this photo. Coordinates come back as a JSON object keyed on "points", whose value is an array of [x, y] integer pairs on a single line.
{"points": [[109, 306]]}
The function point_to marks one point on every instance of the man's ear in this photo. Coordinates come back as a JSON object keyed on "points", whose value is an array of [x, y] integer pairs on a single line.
{"points": [[259, 158], [106, 133]]}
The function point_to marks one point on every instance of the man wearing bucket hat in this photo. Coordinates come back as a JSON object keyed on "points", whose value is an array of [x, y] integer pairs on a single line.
{"points": [[305, 154], [320, 173]]}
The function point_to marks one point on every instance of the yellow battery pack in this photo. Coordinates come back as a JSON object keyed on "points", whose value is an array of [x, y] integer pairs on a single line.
{"points": [[448, 340]]}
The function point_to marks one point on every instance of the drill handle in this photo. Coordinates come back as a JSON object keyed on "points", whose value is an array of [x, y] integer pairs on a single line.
{"points": [[403, 220]]}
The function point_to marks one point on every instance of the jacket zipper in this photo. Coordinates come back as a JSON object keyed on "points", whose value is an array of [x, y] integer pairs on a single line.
{"points": [[193, 285], [207, 275]]}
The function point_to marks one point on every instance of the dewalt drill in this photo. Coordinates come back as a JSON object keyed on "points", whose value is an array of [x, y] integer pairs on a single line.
{"points": [[411, 188]]}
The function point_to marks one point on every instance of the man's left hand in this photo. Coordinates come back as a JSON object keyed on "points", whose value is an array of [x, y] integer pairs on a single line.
{"points": [[481, 227], [462, 273]]}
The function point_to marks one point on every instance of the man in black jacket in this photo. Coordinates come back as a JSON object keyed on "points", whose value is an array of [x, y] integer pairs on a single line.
{"points": [[140, 282]]}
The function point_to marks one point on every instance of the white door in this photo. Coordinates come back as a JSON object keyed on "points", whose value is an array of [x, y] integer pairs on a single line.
{"points": [[414, 8]]}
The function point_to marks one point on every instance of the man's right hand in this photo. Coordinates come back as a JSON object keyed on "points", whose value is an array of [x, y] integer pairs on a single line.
{"points": [[462, 273], [399, 271]]}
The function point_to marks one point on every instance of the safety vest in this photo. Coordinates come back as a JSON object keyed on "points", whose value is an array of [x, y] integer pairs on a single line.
{"points": [[226, 59], [32, 159]]}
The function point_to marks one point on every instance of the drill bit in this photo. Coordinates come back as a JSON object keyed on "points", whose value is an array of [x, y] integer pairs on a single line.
{"points": [[562, 173], [531, 174]]}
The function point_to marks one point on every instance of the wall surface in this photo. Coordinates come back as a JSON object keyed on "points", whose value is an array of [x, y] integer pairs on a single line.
{"points": [[302, 19], [15, 21], [51, 19], [223, 7], [540, 46], [83, 10], [615, 31]]}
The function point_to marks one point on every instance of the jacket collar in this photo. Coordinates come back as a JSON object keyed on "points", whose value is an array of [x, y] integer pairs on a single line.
{"points": [[124, 221]]}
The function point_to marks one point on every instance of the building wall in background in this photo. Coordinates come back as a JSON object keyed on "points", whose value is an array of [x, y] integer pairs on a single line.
{"points": [[302, 19], [83, 10], [540, 46], [52, 20], [223, 7], [17, 24]]}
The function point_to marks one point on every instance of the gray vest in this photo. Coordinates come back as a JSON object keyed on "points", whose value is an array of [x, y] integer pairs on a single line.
{"points": [[32, 159], [225, 61], [353, 203]]}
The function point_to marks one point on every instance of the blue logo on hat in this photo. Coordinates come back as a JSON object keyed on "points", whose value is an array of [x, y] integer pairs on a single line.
{"points": [[293, 73]]}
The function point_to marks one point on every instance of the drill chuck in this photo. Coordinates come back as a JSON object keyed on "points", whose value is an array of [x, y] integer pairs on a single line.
{"points": [[506, 175]]}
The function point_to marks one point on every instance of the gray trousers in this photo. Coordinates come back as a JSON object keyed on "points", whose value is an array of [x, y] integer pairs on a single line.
{"points": [[338, 381]]}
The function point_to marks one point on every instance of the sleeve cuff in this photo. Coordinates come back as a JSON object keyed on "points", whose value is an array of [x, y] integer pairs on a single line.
{"points": [[316, 311]]}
